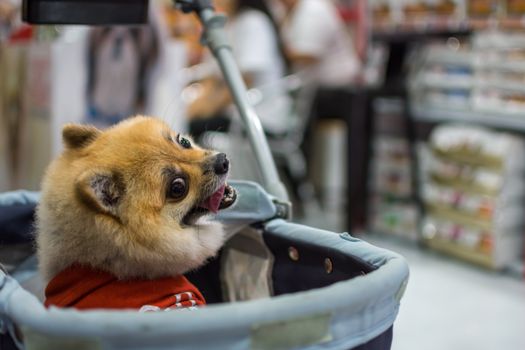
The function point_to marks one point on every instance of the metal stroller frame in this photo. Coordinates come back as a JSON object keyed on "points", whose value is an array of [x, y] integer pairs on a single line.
{"points": [[286, 148]]}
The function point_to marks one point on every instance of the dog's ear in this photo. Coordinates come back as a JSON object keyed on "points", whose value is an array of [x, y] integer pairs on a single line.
{"points": [[101, 191], [78, 136]]}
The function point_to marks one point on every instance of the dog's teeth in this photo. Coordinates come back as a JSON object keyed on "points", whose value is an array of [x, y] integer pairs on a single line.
{"points": [[229, 197]]}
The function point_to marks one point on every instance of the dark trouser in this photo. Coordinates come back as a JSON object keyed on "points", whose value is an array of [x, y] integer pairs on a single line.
{"points": [[219, 123], [350, 106]]}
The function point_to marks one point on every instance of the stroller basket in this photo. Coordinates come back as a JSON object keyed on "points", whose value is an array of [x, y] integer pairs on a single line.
{"points": [[325, 291]]}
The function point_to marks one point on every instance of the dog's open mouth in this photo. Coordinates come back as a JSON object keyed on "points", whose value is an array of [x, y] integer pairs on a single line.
{"points": [[223, 198]]}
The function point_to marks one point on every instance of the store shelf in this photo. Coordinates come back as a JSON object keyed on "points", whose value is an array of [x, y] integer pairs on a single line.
{"points": [[458, 219], [515, 66], [396, 33], [389, 196], [508, 121], [461, 252], [502, 85], [474, 58], [471, 158], [444, 55], [453, 215], [466, 186], [446, 82]]}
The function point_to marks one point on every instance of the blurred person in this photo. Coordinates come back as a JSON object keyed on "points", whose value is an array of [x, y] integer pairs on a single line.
{"points": [[120, 61], [12, 29], [318, 41], [260, 56], [7, 12], [319, 46]]}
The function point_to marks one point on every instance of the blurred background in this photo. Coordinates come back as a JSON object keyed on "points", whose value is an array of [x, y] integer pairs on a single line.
{"points": [[399, 121]]}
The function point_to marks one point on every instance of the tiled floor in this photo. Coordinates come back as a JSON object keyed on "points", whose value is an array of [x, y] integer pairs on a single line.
{"points": [[451, 305]]}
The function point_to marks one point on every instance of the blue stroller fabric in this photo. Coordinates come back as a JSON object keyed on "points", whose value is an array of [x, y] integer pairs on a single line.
{"points": [[16, 223], [351, 305]]}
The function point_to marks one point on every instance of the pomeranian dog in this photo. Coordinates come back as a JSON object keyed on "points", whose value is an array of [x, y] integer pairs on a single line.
{"points": [[124, 214]]}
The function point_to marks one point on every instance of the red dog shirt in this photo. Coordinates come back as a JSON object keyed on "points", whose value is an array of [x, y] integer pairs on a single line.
{"points": [[85, 288]]}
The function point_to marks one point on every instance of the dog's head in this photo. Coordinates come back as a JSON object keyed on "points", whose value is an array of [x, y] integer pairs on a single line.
{"points": [[132, 200]]}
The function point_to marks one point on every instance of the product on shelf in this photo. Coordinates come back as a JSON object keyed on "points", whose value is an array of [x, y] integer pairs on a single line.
{"points": [[451, 98], [445, 7], [515, 7], [483, 79], [415, 8], [391, 167], [482, 8], [416, 16], [474, 193], [391, 208], [380, 10], [394, 217], [477, 206]]}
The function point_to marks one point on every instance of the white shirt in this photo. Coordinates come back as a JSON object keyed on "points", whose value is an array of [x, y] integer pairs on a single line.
{"points": [[256, 51], [315, 28]]}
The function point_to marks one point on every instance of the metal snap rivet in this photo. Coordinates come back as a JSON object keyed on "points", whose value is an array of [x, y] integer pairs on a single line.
{"points": [[293, 253], [328, 265]]}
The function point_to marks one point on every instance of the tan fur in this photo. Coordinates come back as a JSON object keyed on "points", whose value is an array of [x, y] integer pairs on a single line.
{"points": [[142, 235]]}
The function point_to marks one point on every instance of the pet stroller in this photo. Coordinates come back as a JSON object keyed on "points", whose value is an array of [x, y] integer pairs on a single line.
{"points": [[274, 285]]}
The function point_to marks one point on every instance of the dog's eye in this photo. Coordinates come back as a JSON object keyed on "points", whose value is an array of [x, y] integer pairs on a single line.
{"points": [[184, 142], [177, 188]]}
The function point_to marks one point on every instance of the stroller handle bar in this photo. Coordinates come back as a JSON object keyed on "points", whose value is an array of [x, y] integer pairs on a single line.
{"points": [[215, 38]]}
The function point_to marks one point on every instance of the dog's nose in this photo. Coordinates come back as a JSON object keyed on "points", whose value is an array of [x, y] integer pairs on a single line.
{"points": [[222, 164]]}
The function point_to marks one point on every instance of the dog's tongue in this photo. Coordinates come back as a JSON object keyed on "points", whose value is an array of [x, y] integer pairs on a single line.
{"points": [[213, 202]]}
